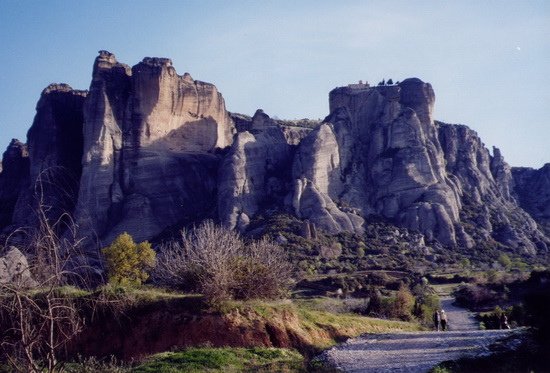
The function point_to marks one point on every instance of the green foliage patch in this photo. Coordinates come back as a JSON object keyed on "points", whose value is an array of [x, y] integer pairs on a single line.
{"points": [[128, 263], [207, 359]]}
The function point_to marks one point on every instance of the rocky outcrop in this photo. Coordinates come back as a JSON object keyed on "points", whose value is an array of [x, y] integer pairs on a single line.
{"points": [[484, 184], [391, 163], [14, 269], [147, 150], [532, 190], [55, 147], [149, 161], [254, 173], [381, 153], [13, 178]]}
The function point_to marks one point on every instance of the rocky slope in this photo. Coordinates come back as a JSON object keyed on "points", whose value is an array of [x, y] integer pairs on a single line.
{"points": [[147, 149], [532, 190]]}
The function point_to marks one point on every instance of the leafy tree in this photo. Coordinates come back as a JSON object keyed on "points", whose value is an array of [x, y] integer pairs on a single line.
{"points": [[390, 82], [128, 263]]}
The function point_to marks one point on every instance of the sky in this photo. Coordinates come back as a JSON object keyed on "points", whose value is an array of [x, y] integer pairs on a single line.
{"points": [[488, 61]]}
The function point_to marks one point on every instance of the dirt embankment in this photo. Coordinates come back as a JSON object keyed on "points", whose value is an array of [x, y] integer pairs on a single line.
{"points": [[141, 331]]}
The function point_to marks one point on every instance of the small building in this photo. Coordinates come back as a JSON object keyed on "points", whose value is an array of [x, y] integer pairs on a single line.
{"points": [[359, 85]]}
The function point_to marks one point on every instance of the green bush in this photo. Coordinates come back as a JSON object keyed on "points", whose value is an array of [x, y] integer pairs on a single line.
{"points": [[128, 263]]}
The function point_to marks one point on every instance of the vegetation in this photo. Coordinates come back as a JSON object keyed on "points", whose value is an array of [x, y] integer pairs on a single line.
{"points": [[383, 273], [224, 359], [217, 263], [128, 263]]}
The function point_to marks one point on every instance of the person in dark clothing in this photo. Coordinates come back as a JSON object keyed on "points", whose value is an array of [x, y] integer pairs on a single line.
{"points": [[443, 320], [437, 320]]}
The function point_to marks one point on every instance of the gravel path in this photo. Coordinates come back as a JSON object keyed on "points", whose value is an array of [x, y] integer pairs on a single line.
{"points": [[416, 351], [459, 318]]}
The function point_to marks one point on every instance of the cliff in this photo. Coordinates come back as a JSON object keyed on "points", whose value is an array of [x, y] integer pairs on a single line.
{"points": [[146, 150], [148, 160], [532, 190]]}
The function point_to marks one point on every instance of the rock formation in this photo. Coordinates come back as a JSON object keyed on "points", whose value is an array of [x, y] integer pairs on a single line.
{"points": [[254, 172], [14, 269], [13, 178], [147, 150], [532, 188], [484, 183], [54, 144], [148, 158]]}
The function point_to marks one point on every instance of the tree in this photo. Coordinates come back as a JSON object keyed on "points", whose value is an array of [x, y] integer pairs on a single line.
{"points": [[390, 82], [128, 263], [37, 324]]}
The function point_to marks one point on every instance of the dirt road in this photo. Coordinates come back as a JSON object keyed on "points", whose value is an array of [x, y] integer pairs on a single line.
{"points": [[416, 351]]}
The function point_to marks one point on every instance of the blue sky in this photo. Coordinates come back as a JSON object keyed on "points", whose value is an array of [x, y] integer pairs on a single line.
{"points": [[489, 61]]}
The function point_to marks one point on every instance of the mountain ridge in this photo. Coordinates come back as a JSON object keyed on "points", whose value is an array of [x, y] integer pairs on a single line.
{"points": [[159, 150]]}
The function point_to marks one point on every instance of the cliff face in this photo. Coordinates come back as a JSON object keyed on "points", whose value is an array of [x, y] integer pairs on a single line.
{"points": [[13, 178], [391, 162], [146, 150], [532, 189], [254, 173], [148, 155], [484, 183], [54, 144], [381, 153]]}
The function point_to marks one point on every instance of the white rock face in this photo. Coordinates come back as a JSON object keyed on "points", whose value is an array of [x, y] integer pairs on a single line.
{"points": [[391, 159], [254, 172], [150, 137], [381, 153]]}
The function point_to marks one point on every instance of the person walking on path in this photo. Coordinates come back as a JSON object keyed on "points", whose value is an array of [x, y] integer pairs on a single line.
{"points": [[437, 319], [443, 320], [504, 321]]}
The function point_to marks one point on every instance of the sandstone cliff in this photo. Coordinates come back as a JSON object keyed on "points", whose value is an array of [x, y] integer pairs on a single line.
{"points": [[147, 150], [532, 188], [148, 158]]}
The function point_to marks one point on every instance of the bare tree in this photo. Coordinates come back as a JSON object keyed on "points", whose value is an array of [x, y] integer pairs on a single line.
{"points": [[202, 260], [39, 322], [218, 263]]}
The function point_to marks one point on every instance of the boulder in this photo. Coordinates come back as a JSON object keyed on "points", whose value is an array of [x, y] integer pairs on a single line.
{"points": [[14, 269]]}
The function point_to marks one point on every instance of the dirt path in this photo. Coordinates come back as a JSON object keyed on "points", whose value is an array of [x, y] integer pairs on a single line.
{"points": [[459, 318], [416, 351]]}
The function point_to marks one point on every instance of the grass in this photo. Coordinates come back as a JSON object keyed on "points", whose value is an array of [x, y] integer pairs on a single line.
{"points": [[444, 289], [343, 326], [194, 360], [316, 324]]}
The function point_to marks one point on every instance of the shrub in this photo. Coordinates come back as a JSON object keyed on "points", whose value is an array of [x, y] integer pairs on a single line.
{"points": [[217, 263], [403, 303], [128, 263], [261, 271]]}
